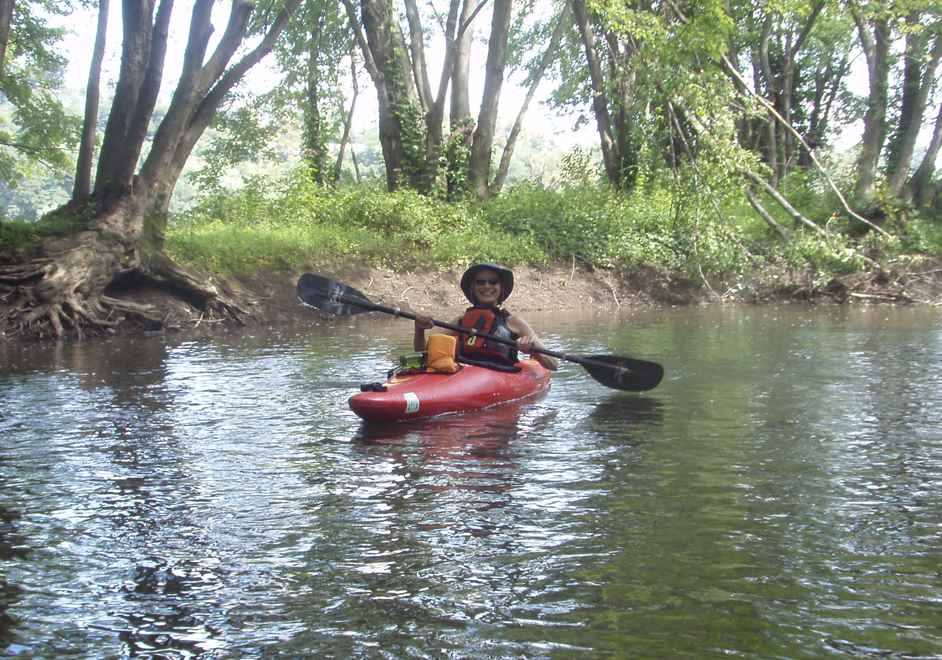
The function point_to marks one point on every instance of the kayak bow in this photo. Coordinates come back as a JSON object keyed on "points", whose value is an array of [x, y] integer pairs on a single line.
{"points": [[418, 395]]}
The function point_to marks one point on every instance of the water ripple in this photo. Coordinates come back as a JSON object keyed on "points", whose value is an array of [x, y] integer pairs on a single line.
{"points": [[217, 498]]}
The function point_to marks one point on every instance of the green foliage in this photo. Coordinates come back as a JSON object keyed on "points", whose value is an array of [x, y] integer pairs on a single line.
{"points": [[828, 257], [922, 234], [23, 234], [412, 132], [243, 134], [268, 244], [17, 235], [34, 126], [293, 223], [579, 168], [579, 224], [456, 157], [34, 194]]}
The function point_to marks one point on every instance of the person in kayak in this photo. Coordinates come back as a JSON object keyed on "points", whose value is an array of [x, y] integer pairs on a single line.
{"points": [[487, 286]]}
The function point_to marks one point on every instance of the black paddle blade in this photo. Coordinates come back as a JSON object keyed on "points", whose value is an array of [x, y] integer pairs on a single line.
{"points": [[331, 296], [622, 373]]}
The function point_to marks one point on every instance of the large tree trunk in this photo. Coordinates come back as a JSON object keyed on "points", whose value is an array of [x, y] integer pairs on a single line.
{"points": [[790, 76], [772, 94], [483, 141], [778, 76], [621, 53], [400, 123], [613, 97], [142, 62], [432, 104], [417, 49], [875, 39], [64, 287], [6, 16], [460, 111], [921, 184], [461, 124], [315, 148], [83, 168], [919, 70], [599, 94]]}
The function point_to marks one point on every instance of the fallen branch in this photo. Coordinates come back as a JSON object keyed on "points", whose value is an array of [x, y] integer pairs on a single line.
{"points": [[765, 215], [881, 296], [791, 129], [781, 201], [734, 73]]}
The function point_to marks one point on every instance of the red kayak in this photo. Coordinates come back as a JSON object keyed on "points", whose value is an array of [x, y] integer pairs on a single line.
{"points": [[416, 395]]}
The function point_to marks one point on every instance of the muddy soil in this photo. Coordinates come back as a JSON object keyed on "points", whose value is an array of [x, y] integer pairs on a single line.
{"points": [[268, 299], [271, 296]]}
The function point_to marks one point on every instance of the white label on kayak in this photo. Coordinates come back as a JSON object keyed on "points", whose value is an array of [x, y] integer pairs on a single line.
{"points": [[412, 402]]}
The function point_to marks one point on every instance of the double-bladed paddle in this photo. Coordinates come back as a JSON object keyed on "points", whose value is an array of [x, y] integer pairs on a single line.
{"points": [[620, 373]]}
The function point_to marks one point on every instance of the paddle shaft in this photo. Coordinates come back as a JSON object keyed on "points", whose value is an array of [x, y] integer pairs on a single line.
{"points": [[395, 311]]}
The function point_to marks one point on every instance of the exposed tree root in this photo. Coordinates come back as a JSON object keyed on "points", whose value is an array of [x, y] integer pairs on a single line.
{"points": [[200, 291], [67, 293], [892, 286]]}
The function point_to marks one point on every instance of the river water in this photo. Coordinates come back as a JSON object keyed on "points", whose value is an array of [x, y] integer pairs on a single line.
{"points": [[779, 494]]}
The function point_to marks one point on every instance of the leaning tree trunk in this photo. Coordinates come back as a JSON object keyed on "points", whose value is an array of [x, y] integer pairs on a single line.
{"points": [[348, 120], [6, 16], [549, 55], [919, 73], [400, 123], [479, 168], [876, 47], [83, 168], [65, 287], [920, 187]]}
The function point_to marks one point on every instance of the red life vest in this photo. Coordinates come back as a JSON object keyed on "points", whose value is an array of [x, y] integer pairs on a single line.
{"points": [[492, 322]]}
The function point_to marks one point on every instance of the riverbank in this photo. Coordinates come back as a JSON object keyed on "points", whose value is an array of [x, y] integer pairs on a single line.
{"points": [[269, 298]]}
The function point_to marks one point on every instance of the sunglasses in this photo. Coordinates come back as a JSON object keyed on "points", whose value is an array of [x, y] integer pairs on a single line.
{"points": [[482, 282]]}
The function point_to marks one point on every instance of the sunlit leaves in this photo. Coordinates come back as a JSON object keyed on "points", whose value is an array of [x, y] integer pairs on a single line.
{"points": [[35, 127]]}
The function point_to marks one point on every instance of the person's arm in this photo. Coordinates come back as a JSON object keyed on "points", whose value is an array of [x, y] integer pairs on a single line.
{"points": [[528, 340], [422, 323]]}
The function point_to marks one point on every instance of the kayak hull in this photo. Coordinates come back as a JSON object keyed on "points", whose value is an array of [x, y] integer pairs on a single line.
{"points": [[414, 396]]}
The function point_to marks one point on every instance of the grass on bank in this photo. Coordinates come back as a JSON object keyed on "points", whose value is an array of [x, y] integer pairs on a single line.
{"points": [[291, 224], [295, 224]]}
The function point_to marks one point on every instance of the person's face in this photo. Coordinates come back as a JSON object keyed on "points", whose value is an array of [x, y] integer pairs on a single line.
{"points": [[486, 287]]}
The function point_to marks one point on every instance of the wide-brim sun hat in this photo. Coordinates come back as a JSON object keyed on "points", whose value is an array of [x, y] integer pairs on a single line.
{"points": [[505, 275]]}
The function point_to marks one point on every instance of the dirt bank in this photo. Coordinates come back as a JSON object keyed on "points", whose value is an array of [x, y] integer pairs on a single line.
{"points": [[268, 299], [272, 295]]}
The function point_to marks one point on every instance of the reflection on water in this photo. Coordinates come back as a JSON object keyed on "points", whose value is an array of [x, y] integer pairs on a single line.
{"points": [[626, 412], [777, 495], [12, 546]]}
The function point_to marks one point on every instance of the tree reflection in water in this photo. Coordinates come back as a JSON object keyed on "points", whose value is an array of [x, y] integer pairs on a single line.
{"points": [[12, 546]]}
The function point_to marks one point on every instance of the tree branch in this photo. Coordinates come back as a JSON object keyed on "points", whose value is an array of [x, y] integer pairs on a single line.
{"points": [[732, 71], [417, 47], [368, 61], [765, 215]]}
